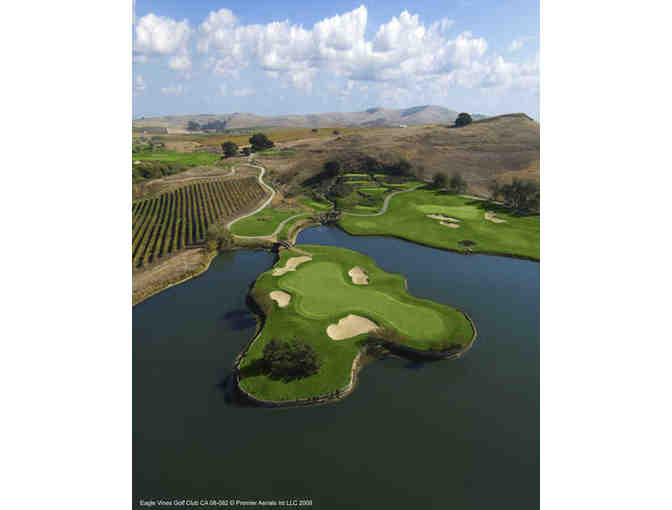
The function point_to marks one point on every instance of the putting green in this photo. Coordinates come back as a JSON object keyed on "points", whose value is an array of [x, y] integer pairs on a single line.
{"points": [[410, 319], [322, 294]]}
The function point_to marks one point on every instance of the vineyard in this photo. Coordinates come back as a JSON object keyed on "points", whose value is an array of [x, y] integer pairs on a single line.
{"points": [[179, 219]]}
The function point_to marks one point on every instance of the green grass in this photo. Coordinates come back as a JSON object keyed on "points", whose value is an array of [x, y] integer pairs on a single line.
{"points": [[264, 222], [407, 218], [354, 201], [322, 294], [313, 204], [182, 158], [284, 233]]}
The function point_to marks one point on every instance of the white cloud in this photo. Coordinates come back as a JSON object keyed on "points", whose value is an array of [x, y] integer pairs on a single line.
{"points": [[139, 85], [175, 90], [517, 44], [165, 36], [405, 58], [180, 63], [404, 50], [162, 36]]}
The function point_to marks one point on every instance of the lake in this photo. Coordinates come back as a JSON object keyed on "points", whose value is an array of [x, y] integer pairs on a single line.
{"points": [[458, 434]]}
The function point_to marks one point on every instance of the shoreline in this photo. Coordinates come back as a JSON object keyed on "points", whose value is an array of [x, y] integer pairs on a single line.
{"points": [[152, 291]]}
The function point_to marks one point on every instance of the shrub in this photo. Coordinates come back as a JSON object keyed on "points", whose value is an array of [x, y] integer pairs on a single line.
{"points": [[260, 141], [290, 360], [457, 183], [439, 181], [218, 237], [463, 119]]}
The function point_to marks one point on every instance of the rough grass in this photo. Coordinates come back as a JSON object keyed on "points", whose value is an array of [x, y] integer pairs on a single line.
{"points": [[407, 218], [187, 159], [313, 204], [323, 293]]}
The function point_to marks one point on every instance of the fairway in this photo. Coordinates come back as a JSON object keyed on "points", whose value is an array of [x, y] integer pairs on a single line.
{"points": [[407, 218], [264, 222], [323, 295]]}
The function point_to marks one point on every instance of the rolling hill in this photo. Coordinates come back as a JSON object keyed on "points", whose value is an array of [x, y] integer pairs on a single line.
{"points": [[427, 114]]}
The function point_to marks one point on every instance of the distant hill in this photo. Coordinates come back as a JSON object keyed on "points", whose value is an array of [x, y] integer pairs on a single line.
{"points": [[380, 117]]}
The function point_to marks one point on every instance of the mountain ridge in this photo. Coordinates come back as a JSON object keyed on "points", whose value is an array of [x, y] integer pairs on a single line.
{"points": [[375, 116]]}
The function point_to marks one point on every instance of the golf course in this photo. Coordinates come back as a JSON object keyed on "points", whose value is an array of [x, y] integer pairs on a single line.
{"points": [[448, 221], [334, 299]]}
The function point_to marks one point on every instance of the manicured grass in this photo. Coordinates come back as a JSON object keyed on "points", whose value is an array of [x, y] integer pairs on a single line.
{"points": [[354, 200], [407, 218], [322, 294], [313, 204], [264, 222], [181, 158]]}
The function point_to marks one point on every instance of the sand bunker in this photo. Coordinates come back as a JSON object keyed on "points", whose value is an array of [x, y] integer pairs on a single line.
{"points": [[350, 326], [280, 297], [450, 225], [291, 265], [490, 215], [442, 217], [358, 276]]}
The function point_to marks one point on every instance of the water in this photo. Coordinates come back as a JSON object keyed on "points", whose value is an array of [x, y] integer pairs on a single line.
{"points": [[454, 434]]}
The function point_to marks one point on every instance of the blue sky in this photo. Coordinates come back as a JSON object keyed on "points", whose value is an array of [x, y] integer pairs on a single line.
{"points": [[283, 57]]}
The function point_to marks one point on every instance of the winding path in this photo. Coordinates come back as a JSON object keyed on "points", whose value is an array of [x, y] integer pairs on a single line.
{"points": [[262, 206], [279, 228], [386, 203]]}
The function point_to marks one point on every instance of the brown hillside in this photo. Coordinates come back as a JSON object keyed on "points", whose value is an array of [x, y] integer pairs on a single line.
{"points": [[503, 147]]}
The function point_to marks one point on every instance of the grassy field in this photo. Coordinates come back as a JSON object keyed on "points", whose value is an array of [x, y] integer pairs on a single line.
{"points": [[264, 222], [407, 218], [186, 159], [313, 204], [313, 308]]}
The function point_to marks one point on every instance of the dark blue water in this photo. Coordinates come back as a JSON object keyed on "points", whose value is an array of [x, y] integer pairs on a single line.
{"points": [[455, 434]]}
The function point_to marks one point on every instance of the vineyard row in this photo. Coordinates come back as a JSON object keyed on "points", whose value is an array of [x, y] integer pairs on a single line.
{"points": [[180, 218]]}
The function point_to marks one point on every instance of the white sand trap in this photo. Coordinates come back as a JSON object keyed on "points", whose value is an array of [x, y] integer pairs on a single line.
{"points": [[490, 215], [291, 265], [280, 297], [442, 217], [450, 225], [350, 326], [358, 276]]}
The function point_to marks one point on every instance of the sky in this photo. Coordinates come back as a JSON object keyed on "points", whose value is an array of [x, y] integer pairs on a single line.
{"points": [[296, 57]]}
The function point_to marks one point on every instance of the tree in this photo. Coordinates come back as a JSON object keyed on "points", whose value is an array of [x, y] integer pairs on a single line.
{"points": [[218, 237], [290, 360], [463, 119], [521, 195], [439, 181], [230, 149], [332, 168], [260, 142], [193, 126], [457, 183], [402, 167], [495, 189], [372, 165]]}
